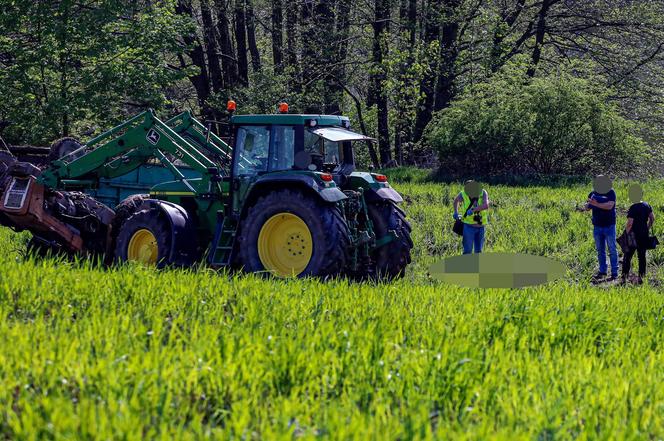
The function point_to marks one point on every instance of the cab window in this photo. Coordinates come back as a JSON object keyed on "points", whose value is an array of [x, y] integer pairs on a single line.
{"points": [[253, 148], [327, 152], [283, 148]]}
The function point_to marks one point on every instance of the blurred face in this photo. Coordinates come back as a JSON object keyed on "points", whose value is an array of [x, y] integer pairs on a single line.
{"points": [[602, 184], [635, 193], [472, 189]]}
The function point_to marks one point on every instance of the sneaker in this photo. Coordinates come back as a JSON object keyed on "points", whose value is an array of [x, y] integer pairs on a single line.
{"points": [[598, 277], [612, 278], [639, 280]]}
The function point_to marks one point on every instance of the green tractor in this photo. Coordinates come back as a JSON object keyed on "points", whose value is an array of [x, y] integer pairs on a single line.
{"points": [[284, 199]]}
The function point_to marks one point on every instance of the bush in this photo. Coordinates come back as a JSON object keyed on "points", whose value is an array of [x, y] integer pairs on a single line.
{"points": [[552, 125]]}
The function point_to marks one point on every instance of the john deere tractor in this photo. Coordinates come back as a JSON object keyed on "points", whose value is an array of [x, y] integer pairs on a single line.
{"points": [[284, 199]]}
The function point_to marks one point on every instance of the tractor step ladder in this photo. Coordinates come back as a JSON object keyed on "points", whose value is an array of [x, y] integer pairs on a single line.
{"points": [[221, 250]]}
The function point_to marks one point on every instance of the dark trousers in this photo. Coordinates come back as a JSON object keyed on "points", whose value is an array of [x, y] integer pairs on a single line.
{"points": [[627, 261]]}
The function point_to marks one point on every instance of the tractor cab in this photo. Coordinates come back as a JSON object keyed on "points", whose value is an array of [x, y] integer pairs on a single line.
{"points": [[311, 143]]}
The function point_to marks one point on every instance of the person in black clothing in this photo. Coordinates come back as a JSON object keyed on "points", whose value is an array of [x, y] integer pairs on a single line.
{"points": [[640, 218], [602, 202]]}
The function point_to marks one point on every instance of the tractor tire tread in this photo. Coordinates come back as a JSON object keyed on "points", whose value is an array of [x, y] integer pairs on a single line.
{"points": [[391, 259], [62, 147], [124, 210]]}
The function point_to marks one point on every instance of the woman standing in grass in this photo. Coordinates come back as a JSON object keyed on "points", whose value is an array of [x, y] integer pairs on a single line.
{"points": [[640, 218]]}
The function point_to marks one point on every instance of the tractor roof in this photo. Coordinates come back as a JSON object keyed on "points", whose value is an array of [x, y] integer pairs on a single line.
{"points": [[292, 119]]}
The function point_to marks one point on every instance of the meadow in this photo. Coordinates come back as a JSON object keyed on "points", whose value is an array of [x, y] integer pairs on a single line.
{"points": [[132, 353]]}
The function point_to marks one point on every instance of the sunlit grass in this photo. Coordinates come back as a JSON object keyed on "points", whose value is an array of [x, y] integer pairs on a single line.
{"points": [[132, 353]]}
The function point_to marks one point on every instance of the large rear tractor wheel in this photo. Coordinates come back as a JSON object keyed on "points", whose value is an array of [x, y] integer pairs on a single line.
{"points": [[290, 234], [392, 258], [145, 237]]}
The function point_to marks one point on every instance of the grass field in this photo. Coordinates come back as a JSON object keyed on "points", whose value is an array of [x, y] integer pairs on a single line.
{"points": [[130, 353]]}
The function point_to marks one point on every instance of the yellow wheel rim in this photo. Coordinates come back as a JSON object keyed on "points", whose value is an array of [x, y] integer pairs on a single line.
{"points": [[143, 247], [285, 245]]}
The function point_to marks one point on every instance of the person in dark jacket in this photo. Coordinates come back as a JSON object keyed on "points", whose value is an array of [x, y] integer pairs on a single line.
{"points": [[602, 203], [640, 218]]}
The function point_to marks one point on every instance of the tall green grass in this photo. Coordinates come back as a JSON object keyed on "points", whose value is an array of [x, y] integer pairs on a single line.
{"points": [[131, 353]]}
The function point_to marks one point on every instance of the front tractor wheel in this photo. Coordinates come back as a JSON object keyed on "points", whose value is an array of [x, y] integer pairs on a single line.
{"points": [[145, 237], [289, 234]]}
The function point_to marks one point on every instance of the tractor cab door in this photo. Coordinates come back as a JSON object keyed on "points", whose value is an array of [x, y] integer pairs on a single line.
{"points": [[260, 149]]}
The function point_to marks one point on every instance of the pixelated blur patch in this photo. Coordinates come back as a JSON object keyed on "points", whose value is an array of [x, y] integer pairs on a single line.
{"points": [[497, 270]]}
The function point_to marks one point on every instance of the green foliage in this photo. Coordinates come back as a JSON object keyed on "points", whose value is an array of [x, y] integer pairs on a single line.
{"points": [[556, 124], [132, 353], [408, 175], [69, 66]]}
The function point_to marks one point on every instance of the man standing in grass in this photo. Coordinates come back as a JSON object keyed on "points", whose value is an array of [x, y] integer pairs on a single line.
{"points": [[474, 203], [602, 202]]}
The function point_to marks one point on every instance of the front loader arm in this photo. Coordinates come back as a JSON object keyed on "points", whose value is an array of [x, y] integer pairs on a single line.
{"points": [[76, 221], [125, 148], [191, 129]]}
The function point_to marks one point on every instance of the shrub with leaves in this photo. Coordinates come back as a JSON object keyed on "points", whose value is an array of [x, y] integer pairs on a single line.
{"points": [[557, 124]]}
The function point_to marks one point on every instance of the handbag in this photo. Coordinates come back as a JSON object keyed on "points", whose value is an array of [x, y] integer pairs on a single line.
{"points": [[652, 242], [627, 241], [458, 223]]}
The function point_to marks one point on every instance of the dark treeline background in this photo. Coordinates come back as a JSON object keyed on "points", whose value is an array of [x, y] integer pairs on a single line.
{"points": [[77, 67]]}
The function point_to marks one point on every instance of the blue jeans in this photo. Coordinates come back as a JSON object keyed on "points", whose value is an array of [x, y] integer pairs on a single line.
{"points": [[472, 236], [606, 237]]}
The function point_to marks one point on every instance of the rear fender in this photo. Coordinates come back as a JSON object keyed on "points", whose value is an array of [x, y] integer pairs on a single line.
{"points": [[328, 194], [382, 194], [184, 239], [374, 191], [305, 184]]}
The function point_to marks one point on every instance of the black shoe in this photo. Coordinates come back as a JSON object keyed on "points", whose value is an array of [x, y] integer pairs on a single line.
{"points": [[613, 278], [599, 277]]}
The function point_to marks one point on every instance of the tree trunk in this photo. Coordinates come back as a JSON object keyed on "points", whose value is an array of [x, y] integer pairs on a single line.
{"points": [[358, 108], [200, 80], [277, 36], [337, 74], [64, 98], [412, 21], [431, 26], [376, 87], [211, 46], [228, 58], [408, 22], [540, 33], [251, 37], [241, 39], [507, 21], [318, 52], [449, 52], [292, 10]]}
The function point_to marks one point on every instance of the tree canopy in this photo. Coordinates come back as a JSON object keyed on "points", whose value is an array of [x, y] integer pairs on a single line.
{"points": [[76, 67]]}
